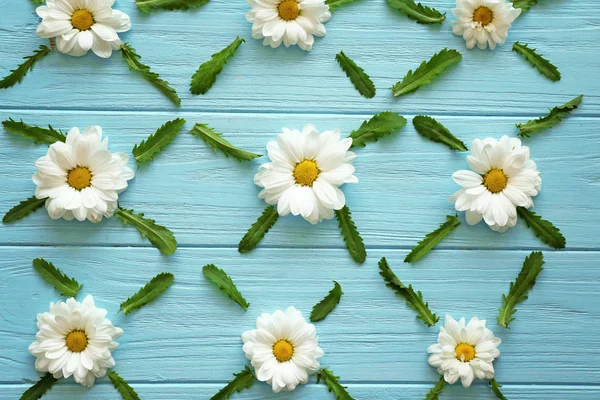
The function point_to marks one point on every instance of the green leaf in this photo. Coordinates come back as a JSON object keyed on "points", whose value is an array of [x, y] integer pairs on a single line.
{"points": [[134, 63], [23, 209], [543, 229], [206, 75], [496, 389], [418, 12], [39, 1], [17, 75], [325, 306], [554, 117], [357, 75], [333, 384], [66, 286], [40, 388], [35, 133], [217, 142], [380, 125], [158, 235], [432, 239], [435, 391], [426, 72], [126, 391], [217, 276], [524, 5], [258, 229], [335, 4], [431, 129], [520, 288], [413, 299], [156, 142], [243, 380], [148, 293], [354, 242], [544, 66], [146, 6]]}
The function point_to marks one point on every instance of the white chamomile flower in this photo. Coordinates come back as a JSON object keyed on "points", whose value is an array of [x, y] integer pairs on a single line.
{"points": [[81, 178], [305, 173], [465, 352], [81, 25], [504, 179], [483, 22], [283, 349], [289, 21], [75, 339]]}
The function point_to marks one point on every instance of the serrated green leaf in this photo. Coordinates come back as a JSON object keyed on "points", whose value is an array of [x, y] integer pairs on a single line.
{"points": [[40, 388], [217, 142], [38, 1], [147, 6], [333, 384], [16, 75], [361, 81], [519, 289], [431, 129], [243, 380], [126, 391], [335, 4], [543, 229], [66, 286], [554, 117], [380, 125], [432, 239], [496, 389], [148, 293], [258, 229], [325, 306], [413, 299], [156, 142], [217, 276], [161, 237], [354, 242], [134, 63], [23, 209], [435, 391], [206, 75], [35, 133], [524, 5], [545, 67], [426, 72], [418, 12]]}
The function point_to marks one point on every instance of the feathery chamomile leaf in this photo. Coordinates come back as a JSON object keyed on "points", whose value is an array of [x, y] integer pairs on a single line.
{"points": [[40, 388], [432, 239], [206, 75], [134, 63], [519, 289], [126, 391], [545, 67], [413, 299], [243, 380], [148, 293], [258, 229], [431, 129], [543, 229], [524, 5], [218, 142], [23, 209], [495, 386], [156, 142], [354, 242], [418, 12], [426, 72], [161, 237], [38, 135], [435, 391], [66, 286], [217, 276], [554, 117], [380, 125], [17, 75], [335, 4], [147, 6], [325, 306], [359, 78], [333, 384]]}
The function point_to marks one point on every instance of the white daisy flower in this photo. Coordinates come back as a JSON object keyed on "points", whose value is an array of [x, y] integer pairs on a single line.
{"points": [[283, 349], [504, 179], [305, 173], [465, 352], [483, 22], [81, 178], [289, 21], [75, 339], [81, 25]]}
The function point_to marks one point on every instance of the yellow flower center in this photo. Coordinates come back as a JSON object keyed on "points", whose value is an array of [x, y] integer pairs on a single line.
{"points": [[82, 20], [77, 341], [495, 180], [483, 15], [465, 352], [288, 10], [283, 350], [306, 172], [79, 178]]}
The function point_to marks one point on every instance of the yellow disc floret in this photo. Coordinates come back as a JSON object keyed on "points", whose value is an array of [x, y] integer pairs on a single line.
{"points": [[483, 15], [495, 180], [306, 172], [79, 178], [77, 341], [82, 20], [288, 10], [283, 350], [465, 352]]}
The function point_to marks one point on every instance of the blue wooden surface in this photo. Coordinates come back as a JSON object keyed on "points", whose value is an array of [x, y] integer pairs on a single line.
{"points": [[186, 345]]}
